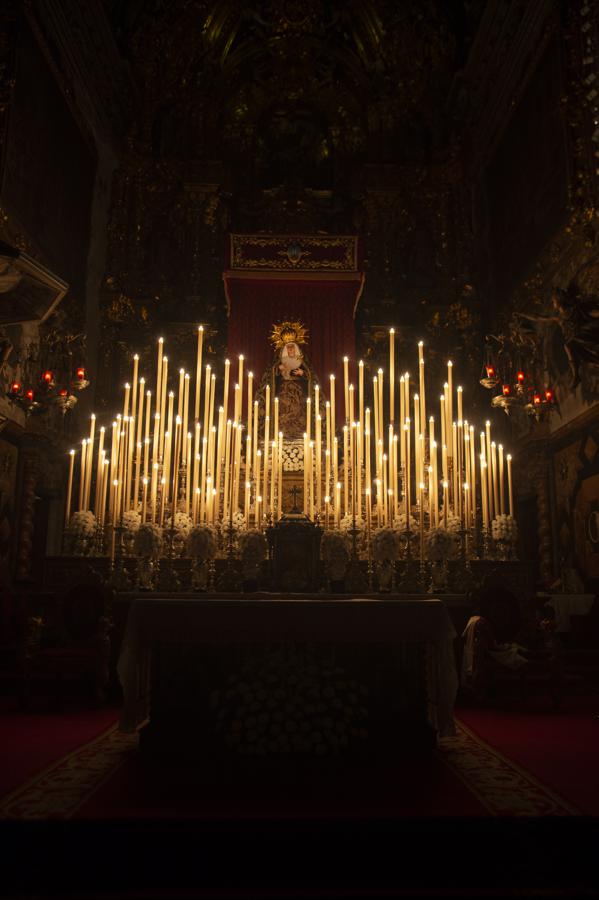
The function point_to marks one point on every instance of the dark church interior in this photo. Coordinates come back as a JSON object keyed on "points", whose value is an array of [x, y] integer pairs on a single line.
{"points": [[299, 448]]}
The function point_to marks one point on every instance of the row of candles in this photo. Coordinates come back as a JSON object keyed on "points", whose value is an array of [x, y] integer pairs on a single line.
{"points": [[167, 454]]}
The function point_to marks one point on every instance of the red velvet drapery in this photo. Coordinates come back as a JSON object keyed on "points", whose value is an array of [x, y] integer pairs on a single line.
{"points": [[326, 307]]}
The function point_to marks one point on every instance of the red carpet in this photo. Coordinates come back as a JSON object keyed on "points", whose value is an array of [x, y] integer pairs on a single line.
{"points": [[504, 762], [560, 747], [33, 740]]}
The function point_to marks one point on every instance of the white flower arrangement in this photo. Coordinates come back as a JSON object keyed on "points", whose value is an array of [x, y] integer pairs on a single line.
{"points": [[386, 544], [252, 545], [201, 542], [131, 520], [348, 522], [183, 524], [400, 523], [288, 703], [441, 544], [80, 530], [504, 528], [454, 524], [148, 541]]}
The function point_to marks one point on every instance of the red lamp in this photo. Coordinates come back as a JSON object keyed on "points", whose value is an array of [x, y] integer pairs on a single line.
{"points": [[506, 390], [81, 373], [490, 371], [537, 399], [48, 377], [520, 377], [30, 395], [549, 396], [15, 388]]}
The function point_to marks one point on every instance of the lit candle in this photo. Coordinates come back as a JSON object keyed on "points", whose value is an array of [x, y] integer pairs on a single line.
{"points": [[99, 468], [185, 420], [105, 480], [367, 447], [332, 399], [408, 474], [402, 419], [443, 420], [346, 386], [126, 400], [489, 470], [361, 395], [473, 473], [239, 396], [422, 385], [375, 393], [460, 409], [159, 369], [501, 482], [246, 503], [351, 403], [335, 462], [337, 502], [196, 411], [381, 407], [392, 375], [226, 388], [162, 409], [181, 393], [449, 404], [250, 401], [207, 392], [176, 457], [509, 484], [318, 450], [228, 433], [69, 487], [280, 471]]}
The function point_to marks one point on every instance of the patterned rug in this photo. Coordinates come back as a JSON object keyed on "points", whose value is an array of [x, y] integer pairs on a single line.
{"points": [[501, 786]]}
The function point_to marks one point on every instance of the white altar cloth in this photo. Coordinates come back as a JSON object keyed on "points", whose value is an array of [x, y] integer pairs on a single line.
{"points": [[276, 618]]}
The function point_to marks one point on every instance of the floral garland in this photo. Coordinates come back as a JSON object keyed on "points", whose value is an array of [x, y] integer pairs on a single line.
{"points": [[290, 703], [148, 540]]}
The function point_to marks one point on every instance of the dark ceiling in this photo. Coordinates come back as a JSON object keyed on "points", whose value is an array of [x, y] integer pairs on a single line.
{"points": [[296, 92]]}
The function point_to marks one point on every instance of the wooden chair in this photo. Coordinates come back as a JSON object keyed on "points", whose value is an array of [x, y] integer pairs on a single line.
{"points": [[73, 644]]}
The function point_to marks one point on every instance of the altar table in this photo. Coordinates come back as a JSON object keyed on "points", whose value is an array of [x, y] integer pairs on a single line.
{"points": [[263, 619]]}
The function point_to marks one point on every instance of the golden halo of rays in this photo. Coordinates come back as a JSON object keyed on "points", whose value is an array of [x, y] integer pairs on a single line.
{"points": [[287, 332]]}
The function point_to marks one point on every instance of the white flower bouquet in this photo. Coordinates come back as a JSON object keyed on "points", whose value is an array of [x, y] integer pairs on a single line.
{"points": [[293, 456], [201, 542], [504, 528], [182, 526], [80, 531], [400, 523], [441, 544], [386, 544], [454, 524], [131, 520], [148, 541], [252, 545]]}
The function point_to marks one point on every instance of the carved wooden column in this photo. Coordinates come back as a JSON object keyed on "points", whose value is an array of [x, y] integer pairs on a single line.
{"points": [[29, 475]]}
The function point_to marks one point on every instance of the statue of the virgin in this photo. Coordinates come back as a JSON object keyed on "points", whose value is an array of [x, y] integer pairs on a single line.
{"points": [[290, 377]]}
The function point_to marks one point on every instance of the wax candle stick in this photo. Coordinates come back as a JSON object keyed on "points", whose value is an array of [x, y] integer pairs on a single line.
{"points": [[181, 393], [402, 419], [361, 394], [351, 404], [336, 464], [255, 469], [381, 408], [246, 501], [184, 431], [392, 375], [140, 411], [162, 409], [408, 473], [134, 383], [250, 403], [176, 457], [276, 420], [346, 387], [159, 369], [97, 496], [434, 461], [280, 472], [445, 502], [443, 420], [144, 500], [495, 479], [240, 383], [422, 383], [473, 473], [509, 485], [220, 452], [332, 399], [421, 516], [126, 400], [367, 447], [230, 430], [385, 490], [89, 459], [202, 485], [196, 409], [489, 470], [345, 470], [501, 482], [67, 515], [309, 419], [82, 473], [337, 502], [460, 404], [105, 480], [375, 393], [318, 451], [449, 406]]}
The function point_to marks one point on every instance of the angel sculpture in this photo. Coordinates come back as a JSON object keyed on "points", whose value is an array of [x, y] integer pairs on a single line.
{"points": [[577, 317]]}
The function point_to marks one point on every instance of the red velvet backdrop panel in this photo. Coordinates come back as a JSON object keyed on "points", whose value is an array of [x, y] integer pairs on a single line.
{"points": [[325, 307]]}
